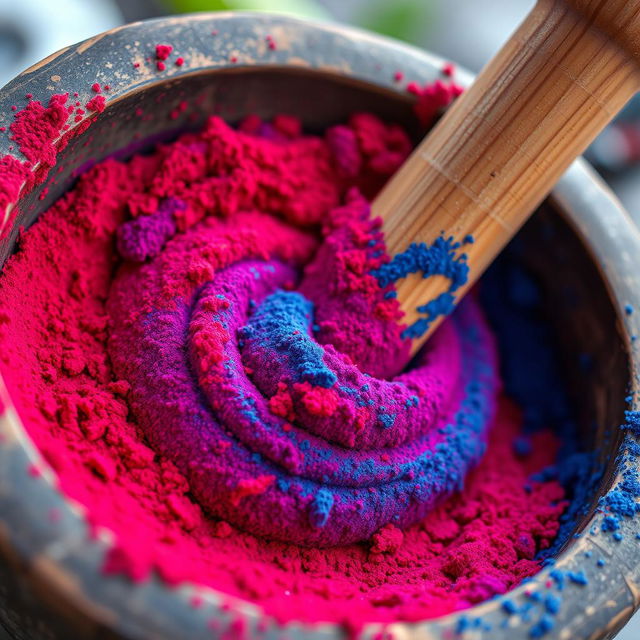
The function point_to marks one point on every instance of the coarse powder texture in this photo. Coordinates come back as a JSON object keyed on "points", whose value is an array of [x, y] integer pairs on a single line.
{"points": [[277, 433], [232, 379]]}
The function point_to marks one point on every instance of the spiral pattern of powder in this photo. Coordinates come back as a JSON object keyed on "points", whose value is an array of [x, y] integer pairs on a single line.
{"points": [[238, 374]]}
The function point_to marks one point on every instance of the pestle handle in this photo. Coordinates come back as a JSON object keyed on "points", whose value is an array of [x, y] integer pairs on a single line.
{"points": [[497, 152]]}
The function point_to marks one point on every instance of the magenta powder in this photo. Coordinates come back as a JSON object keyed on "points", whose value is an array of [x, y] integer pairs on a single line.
{"points": [[103, 370]]}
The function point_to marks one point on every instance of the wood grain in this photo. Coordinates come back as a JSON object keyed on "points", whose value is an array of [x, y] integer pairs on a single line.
{"points": [[497, 152]]}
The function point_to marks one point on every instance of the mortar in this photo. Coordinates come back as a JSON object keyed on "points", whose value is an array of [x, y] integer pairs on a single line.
{"points": [[50, 580]]}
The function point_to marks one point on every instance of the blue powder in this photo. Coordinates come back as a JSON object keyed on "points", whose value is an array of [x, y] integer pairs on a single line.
{"points": [[610, 523], [465, 624], [542, 627], [443, 305], [320, 508], [513, 303], [622, 500], [281, 325], [514, 306], [552, 603], [632, 422], [387, 420], [412, 401], [510, 607], [578, 577], [440, 258], [558, 577]]}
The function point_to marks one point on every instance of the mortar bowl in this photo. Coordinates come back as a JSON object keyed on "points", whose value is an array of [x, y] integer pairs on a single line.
{"points": [[51, 585]]}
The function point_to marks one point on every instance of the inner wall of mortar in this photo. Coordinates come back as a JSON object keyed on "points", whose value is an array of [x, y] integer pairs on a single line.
{"points": [[577, 304]]}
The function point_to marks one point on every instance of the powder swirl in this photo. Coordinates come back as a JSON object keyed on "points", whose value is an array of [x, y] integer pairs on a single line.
{"points": [[260, 357], [189, 203]]}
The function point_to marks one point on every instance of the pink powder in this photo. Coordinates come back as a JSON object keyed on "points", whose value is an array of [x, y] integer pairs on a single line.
{"points": [[55, 325], [36, 141], [163, 51], [448, 69], [432, 98], [36, 130], [96, 104]]}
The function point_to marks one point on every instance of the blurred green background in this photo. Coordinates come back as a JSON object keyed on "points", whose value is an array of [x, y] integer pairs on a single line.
{"points": [[404, 19]]}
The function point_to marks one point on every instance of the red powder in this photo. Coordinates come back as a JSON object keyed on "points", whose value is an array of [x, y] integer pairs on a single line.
{"points": [[388, 540], [163, 51], [318, 401], [35, 129], [161, 66], [179, 61], [250, 487], [53, 355], [95, 87], [448, 69], [433, 98], [96, 104], [281, 403]]}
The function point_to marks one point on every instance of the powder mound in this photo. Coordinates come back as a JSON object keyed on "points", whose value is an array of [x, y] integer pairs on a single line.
{"points": [[144, 237], [258, 204], [314, 443]]}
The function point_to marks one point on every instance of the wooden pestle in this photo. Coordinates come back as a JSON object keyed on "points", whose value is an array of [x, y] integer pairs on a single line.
{"points": [[497, 152]]}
